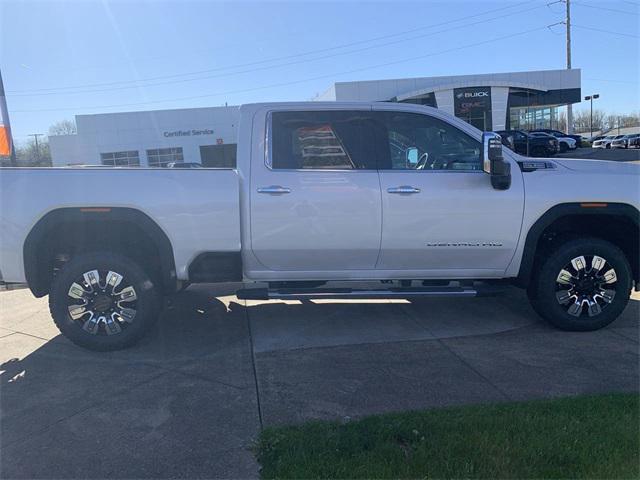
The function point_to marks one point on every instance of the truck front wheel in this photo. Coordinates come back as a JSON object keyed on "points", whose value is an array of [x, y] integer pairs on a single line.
{"points": [[103, 301], [583, 285]]}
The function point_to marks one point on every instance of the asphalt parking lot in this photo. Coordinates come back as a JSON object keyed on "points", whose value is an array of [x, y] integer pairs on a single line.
{"points": [[614, 154], [189, 401]]}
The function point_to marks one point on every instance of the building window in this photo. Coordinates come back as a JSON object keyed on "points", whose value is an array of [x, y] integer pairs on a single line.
{"points": [[533, 117], [428, 99], [121, 159], [159, 157]]}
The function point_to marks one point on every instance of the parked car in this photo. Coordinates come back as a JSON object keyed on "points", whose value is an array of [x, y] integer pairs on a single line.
{"points": [[606, 141], [634, 140], [559, 134], [623, 142], [525, 144], [320, 195], [565, 143]]}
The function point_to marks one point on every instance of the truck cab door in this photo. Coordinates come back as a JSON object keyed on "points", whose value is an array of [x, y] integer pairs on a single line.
{"points": [[441, 215], [315, 199]]}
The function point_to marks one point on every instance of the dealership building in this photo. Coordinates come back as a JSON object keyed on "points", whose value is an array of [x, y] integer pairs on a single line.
{"points": [[520, 100]]}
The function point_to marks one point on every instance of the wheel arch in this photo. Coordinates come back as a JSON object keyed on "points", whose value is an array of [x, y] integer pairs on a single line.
{"points": [[57, 226], [621, 226]]}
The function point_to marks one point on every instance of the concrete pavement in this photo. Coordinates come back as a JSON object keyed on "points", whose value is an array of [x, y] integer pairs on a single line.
{"points": [[191, 398]]}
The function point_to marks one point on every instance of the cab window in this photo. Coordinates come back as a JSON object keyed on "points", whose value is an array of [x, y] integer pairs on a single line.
{"points": [[322, 140], [421, 142]]}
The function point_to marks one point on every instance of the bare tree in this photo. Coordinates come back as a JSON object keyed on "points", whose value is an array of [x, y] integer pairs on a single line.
{"points": [[562, 122], [27, 155], [63, 127], [582, 120]]}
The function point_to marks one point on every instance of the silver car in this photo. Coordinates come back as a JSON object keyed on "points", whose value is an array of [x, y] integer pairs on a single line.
{"points": [[606, 141], [626, 141]]}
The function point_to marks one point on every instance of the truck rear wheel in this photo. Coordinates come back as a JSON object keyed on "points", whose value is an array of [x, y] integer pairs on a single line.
{"points": [[103, 301], [583, 285]]}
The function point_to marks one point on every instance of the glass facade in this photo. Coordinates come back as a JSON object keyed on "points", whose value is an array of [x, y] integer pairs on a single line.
{"points": [[530, 118]]}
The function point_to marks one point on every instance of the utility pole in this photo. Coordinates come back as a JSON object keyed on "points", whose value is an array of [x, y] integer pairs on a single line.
{"points": [[568, 24], [35, 136], [4, 120], [591, 98]]}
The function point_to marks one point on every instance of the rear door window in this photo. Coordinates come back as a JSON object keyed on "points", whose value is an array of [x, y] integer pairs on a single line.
{"points": [[322, 140]]}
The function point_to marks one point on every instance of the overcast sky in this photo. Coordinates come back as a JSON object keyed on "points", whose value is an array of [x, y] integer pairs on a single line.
{"points": [[59, 59]]}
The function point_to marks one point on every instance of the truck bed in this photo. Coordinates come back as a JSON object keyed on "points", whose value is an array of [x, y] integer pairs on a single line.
{"points": [[198, 210]]}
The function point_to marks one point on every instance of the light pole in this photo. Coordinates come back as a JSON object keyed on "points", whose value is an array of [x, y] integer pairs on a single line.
{"points": [[591, 98], [568, 25]]}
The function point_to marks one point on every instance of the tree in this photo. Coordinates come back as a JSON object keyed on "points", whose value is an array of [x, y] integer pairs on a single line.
{"points": [[582, 120], [28, 156], [63, 127], [562, 122]]}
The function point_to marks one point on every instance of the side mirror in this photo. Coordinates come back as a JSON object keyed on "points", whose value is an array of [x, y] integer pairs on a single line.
{"points": [[494, 163], [412, 156]]}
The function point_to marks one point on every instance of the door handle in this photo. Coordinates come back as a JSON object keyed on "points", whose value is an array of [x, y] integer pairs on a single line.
{"points": [[406, 189], [274, 190]]}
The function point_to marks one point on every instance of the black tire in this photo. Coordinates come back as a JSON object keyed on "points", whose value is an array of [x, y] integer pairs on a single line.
{"points": [[543, 288], [608, 145], [563, 147], [147, 301], [538, 152]]}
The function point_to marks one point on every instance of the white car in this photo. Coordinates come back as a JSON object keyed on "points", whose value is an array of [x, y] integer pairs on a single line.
{"points": [[322, 192], [564, 143], [606, 141]]}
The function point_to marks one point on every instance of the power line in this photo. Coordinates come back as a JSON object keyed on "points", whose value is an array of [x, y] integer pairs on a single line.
{"points": [[605, 8], [311, 52], [172, 82], [611, 80], [200, 72], [330, 75], [607, 31]]}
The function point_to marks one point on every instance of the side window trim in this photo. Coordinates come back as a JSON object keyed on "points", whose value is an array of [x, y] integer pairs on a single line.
{"points": [[267, 142]]}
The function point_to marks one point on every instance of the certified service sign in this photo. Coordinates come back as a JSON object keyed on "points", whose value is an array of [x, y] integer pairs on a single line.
{"points": [[188, 133]]}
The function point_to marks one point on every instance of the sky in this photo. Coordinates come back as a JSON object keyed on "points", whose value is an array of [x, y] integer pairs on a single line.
{"points": [[59, 59]]}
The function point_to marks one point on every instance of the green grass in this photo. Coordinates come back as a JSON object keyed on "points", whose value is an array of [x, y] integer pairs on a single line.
{"points": [[581, 437]]}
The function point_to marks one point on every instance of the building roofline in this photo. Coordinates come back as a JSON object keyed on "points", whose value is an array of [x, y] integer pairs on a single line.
{"points": [[449, 77]]}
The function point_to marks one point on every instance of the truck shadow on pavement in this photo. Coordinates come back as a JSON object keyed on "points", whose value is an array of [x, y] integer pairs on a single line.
{"points": [[191, 397]]}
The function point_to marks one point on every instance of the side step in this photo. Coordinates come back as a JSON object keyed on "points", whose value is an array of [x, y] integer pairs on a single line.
{"points": [[349, 293]]}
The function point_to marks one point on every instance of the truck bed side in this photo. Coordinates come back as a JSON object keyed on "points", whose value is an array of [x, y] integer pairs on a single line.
{"points": [[197, 210]]}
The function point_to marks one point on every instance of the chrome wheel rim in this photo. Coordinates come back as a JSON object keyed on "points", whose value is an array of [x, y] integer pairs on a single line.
{"points": [[586, 285], [102, 302]]}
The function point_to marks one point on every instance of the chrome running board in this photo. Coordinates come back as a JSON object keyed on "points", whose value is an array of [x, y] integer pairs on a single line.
{"points": [[349, 293]]}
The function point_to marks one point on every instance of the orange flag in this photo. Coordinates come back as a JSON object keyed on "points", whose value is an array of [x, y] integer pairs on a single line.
{"points": [[5, 143], [5, 134]]}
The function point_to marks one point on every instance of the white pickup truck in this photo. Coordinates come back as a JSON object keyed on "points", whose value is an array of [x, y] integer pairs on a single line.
{"points": [[404, 194]]}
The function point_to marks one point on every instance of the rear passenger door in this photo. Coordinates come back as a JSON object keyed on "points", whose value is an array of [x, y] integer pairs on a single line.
{"points": [[315, 201], [440, 213]]}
